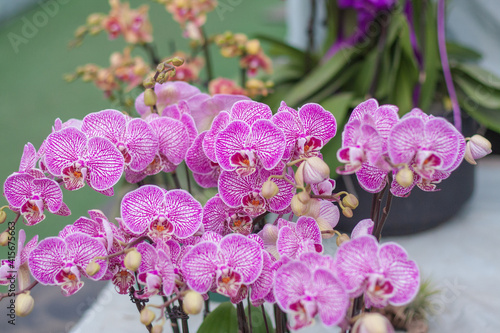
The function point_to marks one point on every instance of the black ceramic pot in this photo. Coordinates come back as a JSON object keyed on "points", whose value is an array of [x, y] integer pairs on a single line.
{"points": [[421, 210]]}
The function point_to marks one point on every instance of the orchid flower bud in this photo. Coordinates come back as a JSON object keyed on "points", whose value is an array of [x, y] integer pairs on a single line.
{"points": [[373, 323], [477, 147], [269, 189], [176, 61], [149, 97], [147, 316], [304, 197], [192, 302], [92, 268], [298, 208], [24, 304], [132, 260], [3, 216], [4, 238], [350, 201], [347, 212], [252, 46], [315, 170], [404, 177], [342, 239]]}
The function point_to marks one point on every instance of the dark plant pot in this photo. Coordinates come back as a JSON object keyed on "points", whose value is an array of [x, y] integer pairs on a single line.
{"points": [[421, 210]]}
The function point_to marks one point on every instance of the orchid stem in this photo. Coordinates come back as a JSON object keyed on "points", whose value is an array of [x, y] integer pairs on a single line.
{"points": [[265, 318], [206, 53], [242, 320], [457, 120]]}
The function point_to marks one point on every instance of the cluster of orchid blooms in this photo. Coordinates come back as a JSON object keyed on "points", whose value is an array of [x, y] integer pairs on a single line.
{"points": [[169, 244], [126, 72]]}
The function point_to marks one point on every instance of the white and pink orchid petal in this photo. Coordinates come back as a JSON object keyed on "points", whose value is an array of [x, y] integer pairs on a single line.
{"points": [[199, 266], [196, 160], [64, 148], [220, 122], [318, 122], [290, 283], [47, 259], [166, 272], [354, 261], [104, 162], [149, 257], [244, 255], [371, 178], [215, 213], [18, 189], [230, 141], [184, 212], [331, 298], [140, 207], [206, 180], [109, 124], [288, 243], [172, 138], [264, 284], [443, 139], [29, 158], [82, 249], [232, 187], [142, 144], [405, 139], [250, 111], [268, 141], [401, 272], [364, 227], [50, 192]]}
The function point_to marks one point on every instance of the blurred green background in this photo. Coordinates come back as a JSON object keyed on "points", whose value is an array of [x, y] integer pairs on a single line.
{"points": [[33, 93]]}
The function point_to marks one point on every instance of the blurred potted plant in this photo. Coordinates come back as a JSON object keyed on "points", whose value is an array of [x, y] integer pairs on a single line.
{"points": [[394, 51]]}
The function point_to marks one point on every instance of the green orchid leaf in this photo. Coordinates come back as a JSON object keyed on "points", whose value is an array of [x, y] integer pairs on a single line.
{"points": [[258, 323], [487, 117], [432, 63], [461, 53], [478, 93], [319, 77], [479, 74], [222, 320]]}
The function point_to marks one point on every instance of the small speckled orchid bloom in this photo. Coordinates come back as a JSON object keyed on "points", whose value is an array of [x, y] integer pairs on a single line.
{"points": [[227, 267], [134, 138], [306, 131], [205, 172], [297, 238], [31, 196], [57, 261], [18, 267], [306, 288], [156, 272], [222, 219], [71, 155], [161, 214], [237, 191], [168, 93], [242, 147], [325, 213], [382, 273], [430, 145], [365, 142], [246, 111], [98, 227], [204, 108]]}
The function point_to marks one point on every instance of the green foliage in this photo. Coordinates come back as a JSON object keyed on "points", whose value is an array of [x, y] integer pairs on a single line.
{"points": [[223, 320], [258, 324]]}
